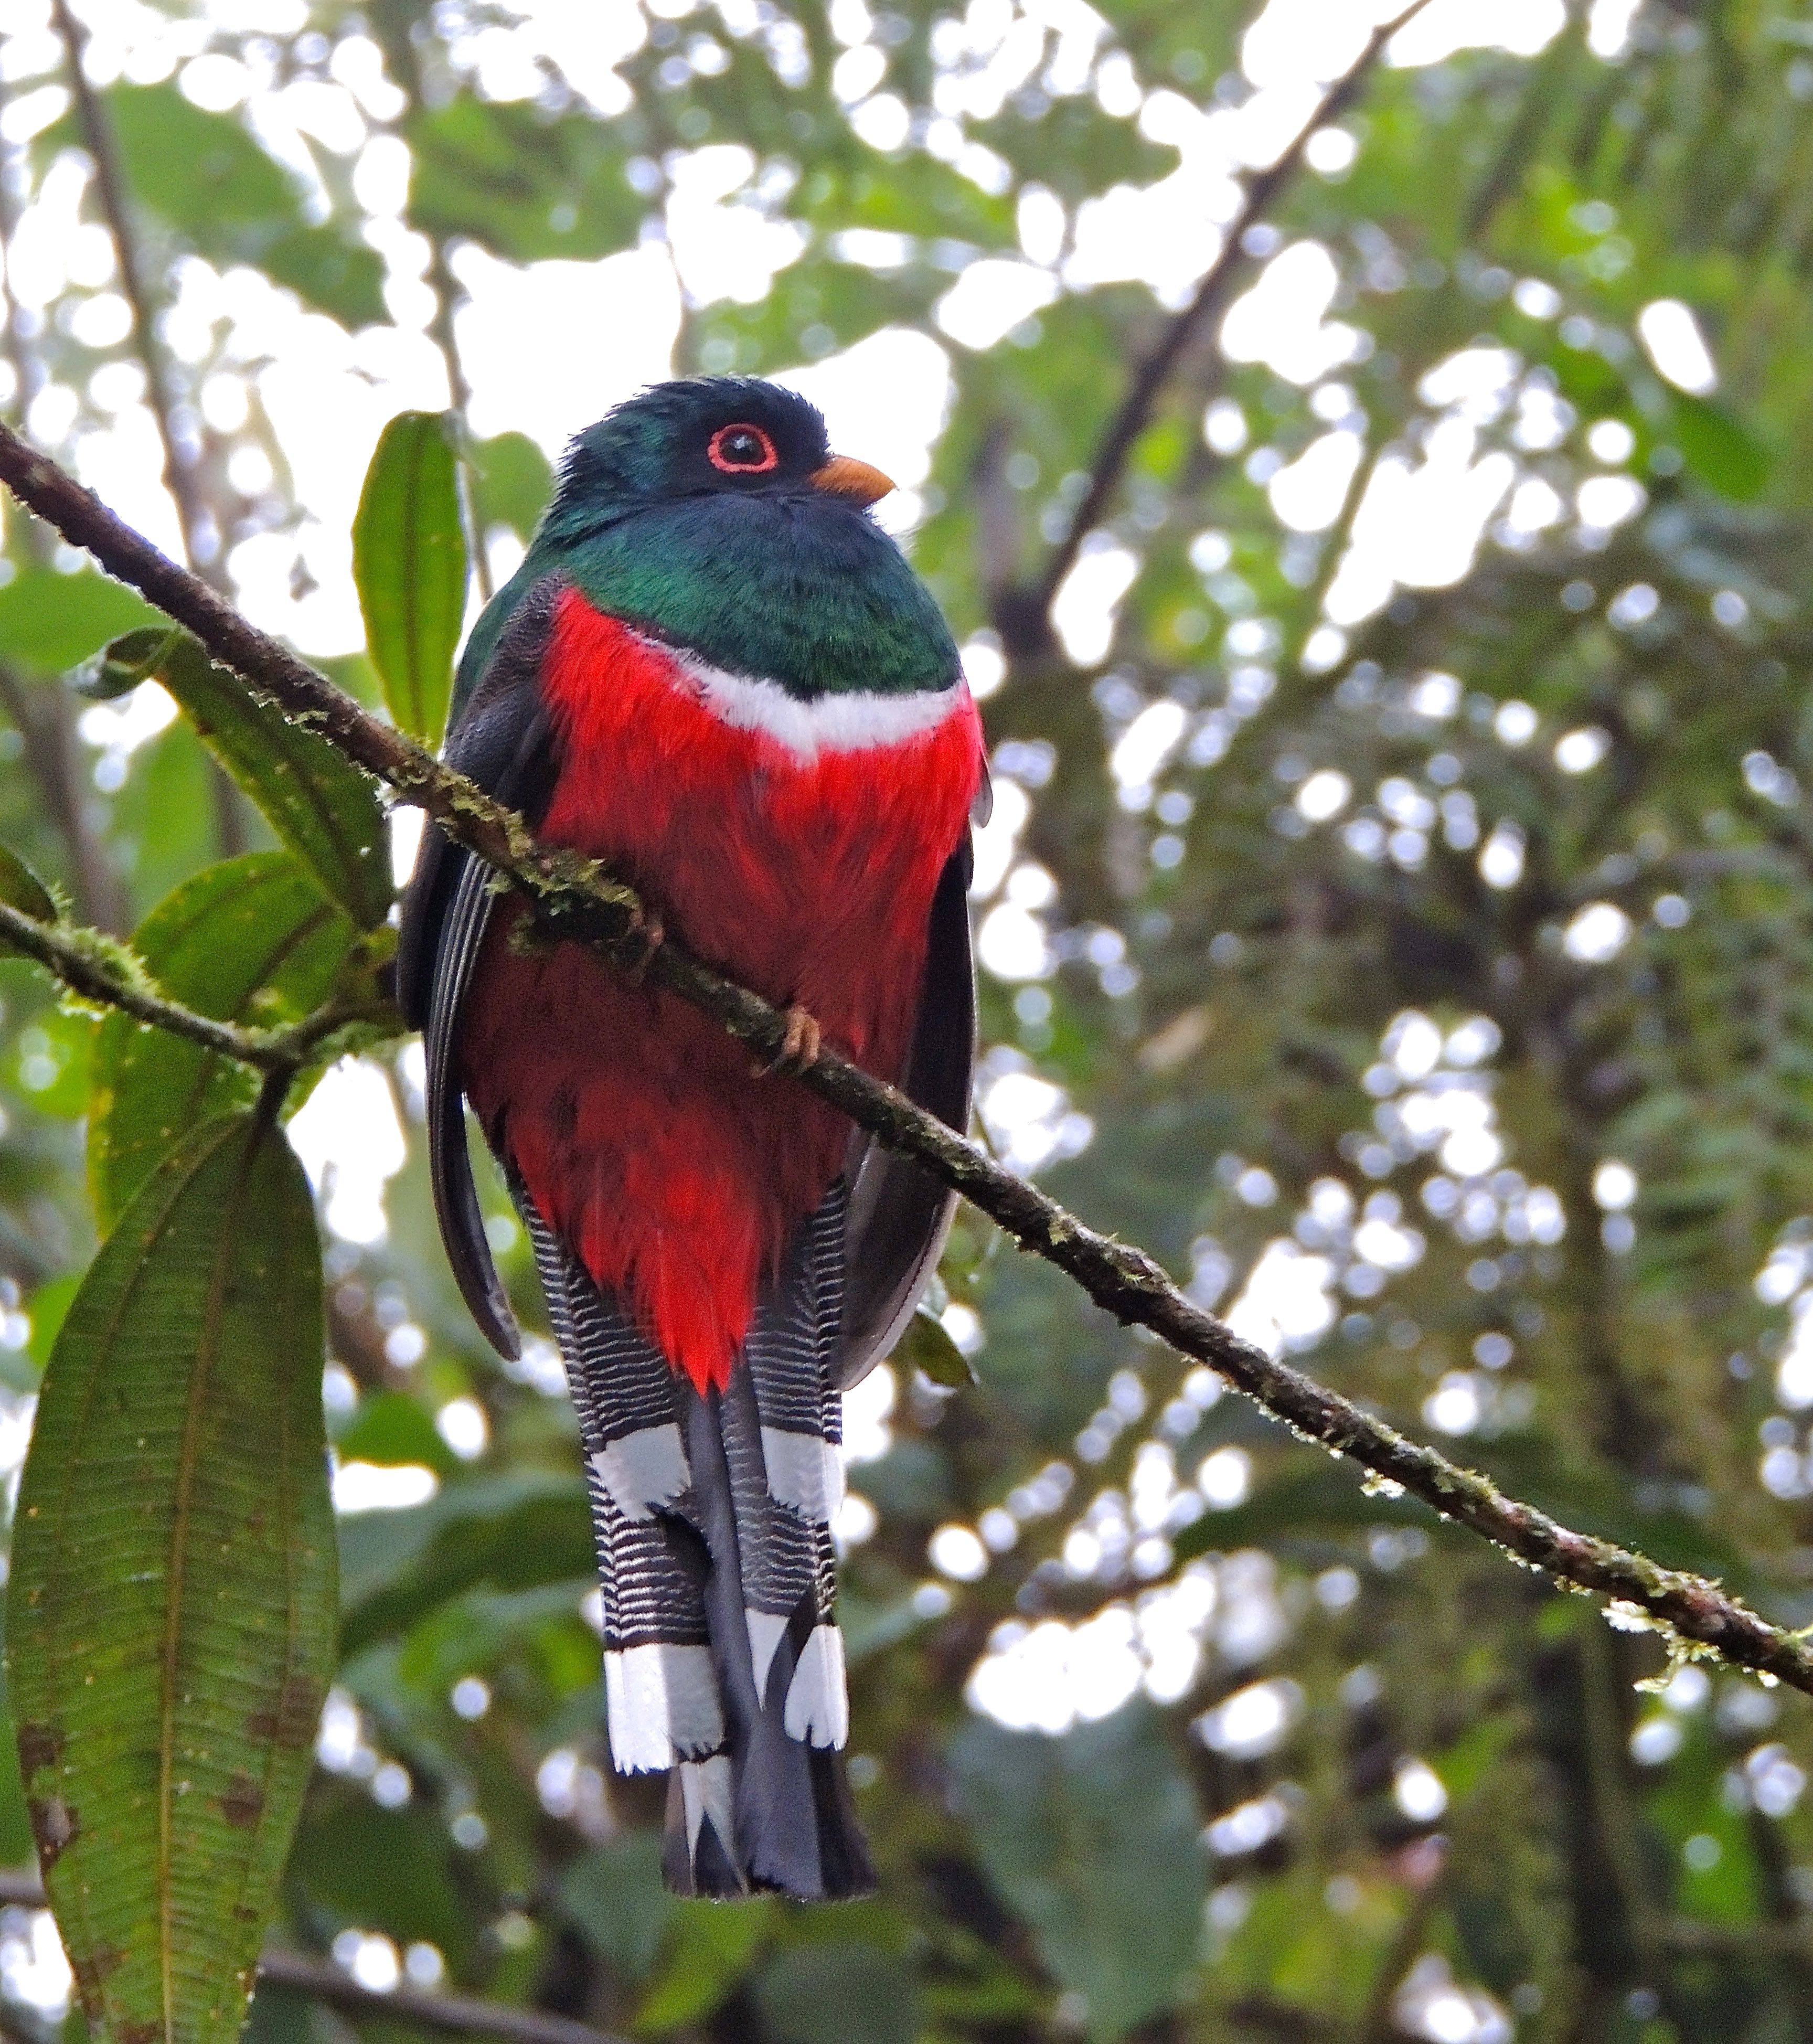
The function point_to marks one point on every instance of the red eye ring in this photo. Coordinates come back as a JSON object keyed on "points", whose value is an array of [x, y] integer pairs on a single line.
{"points": [[718, 453]]}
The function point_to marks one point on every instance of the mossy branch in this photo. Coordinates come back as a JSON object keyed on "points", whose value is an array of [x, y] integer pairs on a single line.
{"points": [[578, 900], [99, 968]]}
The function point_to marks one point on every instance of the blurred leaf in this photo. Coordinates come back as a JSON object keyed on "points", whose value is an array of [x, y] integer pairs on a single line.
{"points": [[1717, 447], [49, 621], [918, 196], [707, 1950], [170, 1607], [327, 270], [512, 483], [21, 889], [47, 1305], [252, 939], [390, 1870], [408, 560], [1094, 1840], [614, 1898], [391, 1428], [506, 1533], [204, 174], [923, 1345], [1323, 1501], [526, 187], [844, 1991], [322, 808]]}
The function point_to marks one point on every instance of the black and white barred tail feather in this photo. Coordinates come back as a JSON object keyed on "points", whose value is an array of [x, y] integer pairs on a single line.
{"points": [[723, 1661]]}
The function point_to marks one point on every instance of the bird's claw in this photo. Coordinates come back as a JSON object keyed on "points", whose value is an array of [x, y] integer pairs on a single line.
{"points": [[648, 930], [799, 1048]]}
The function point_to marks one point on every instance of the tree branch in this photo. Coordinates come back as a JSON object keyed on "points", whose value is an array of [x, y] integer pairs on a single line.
{"points": [[322, 1981], [110, 182], [1026, 611], [45, 719], [577, 900], [404, 58], [101, 969], [179, 475]]}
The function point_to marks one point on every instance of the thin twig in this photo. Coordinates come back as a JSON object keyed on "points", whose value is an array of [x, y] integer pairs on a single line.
{"points": [[110, 182], [1212, 297], [322, 1981], [28, 376], [577, 899], [45, 717], [453, 2014], [446, 288], [180, 478], [404, 58], [101, 969]]}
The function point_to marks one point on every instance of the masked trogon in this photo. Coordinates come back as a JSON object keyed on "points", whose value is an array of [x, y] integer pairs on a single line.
{"points": [[715, 673]]}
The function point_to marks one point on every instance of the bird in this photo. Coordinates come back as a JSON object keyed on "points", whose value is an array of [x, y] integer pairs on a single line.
{"points": [[715, 673]]}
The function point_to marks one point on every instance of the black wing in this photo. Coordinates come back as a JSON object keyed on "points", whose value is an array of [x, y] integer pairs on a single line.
{"points": [[899, 1217], [501, 742]]}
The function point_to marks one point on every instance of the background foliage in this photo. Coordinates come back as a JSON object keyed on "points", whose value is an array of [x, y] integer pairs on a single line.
{"points": [[1401, 923]]}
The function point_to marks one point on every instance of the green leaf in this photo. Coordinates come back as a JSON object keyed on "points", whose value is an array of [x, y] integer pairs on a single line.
{"points": [[707, 1950], [49, 621], [323, 809], [1721, 452], [391, 1428], [386, 1869], [512, 483], [1092, 1838], [408, 560], [614, 1899], [843, 1989], [328, 271], [526, 187], [505, 1533], [1303, 1508], [170, 1615], [205, 176], [21, 889], [252, 939], [923, 1345]]}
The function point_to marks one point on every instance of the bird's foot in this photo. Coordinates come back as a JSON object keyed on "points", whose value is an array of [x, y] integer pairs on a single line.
{"points": [[799, 1048], [647, 931]]}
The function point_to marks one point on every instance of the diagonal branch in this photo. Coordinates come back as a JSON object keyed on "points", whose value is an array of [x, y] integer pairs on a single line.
{"points": [[1029, 607], [580, 901]]}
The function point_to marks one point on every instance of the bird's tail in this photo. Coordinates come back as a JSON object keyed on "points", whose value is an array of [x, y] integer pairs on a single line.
{"points": [[723, 1661]]}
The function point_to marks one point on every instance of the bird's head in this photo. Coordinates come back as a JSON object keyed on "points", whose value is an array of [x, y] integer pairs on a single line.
{"points": [[719, 436]]}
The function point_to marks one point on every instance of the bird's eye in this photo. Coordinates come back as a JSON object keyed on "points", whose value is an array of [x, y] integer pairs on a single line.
{"points": [[742, 450]]}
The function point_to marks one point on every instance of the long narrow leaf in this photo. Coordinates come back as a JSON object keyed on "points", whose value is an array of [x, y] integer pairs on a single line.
{"points": [[170, 1615], [323, 809], [408, 560]]}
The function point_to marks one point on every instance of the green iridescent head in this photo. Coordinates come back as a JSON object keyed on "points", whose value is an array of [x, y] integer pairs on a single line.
{"points": [[712, 513]]}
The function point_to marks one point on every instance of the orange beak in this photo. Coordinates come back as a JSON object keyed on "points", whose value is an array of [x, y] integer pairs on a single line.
{"points": [[842, 476]]}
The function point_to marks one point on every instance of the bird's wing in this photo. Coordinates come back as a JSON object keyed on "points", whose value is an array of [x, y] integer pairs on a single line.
{"points": [[899, 1217], [501, 742]]}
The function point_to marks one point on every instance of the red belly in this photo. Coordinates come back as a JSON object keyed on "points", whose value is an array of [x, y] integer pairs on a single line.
{"points": [[633, 1121]]}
